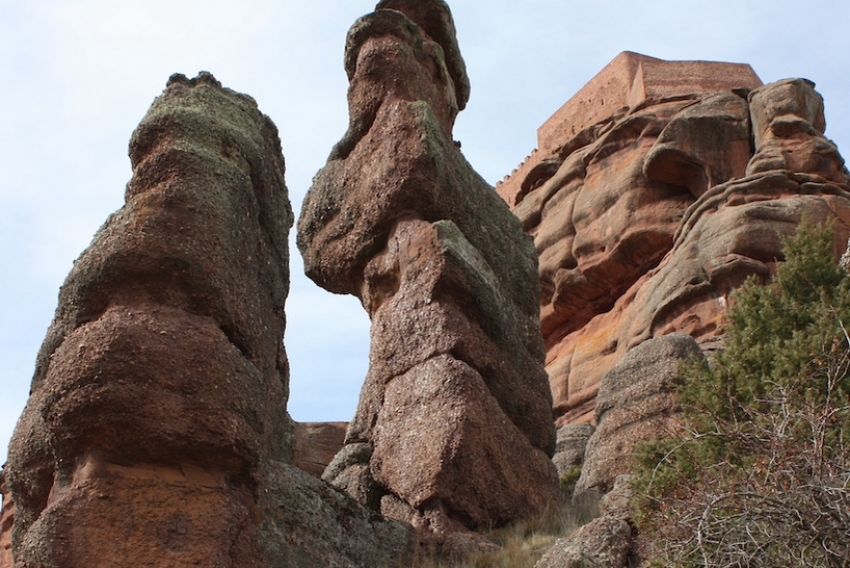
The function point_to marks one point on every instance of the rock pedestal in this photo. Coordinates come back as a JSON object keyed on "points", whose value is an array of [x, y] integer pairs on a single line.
{"points": [[454, 426], [160, 391]]}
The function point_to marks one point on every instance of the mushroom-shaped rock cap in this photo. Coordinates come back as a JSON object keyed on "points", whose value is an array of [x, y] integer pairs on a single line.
{"points": [[435, 19]]}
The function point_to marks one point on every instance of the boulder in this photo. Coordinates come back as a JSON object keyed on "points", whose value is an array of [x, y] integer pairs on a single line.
{"points": [[457, 433], [636, 403], [605, 542], [570, 447], [349, 472]]}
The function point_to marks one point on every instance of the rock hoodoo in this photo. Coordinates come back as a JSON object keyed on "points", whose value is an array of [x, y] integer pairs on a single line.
{"points": [[454, 422], [656, 191], [159, 393], [7, 521], [156, 433]]}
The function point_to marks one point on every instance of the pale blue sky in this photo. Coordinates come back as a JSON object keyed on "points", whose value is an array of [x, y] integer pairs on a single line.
{"points": [[79, 74]]}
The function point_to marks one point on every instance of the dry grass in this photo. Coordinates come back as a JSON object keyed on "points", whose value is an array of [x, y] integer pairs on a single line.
{"points": [[523, 543]]}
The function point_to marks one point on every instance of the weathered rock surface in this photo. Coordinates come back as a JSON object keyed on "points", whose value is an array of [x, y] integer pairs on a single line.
{"points": [[570, 447], [454, 425], [160, 390], [648, 211], [7, 521], [605, 542], [788, 127], [316, 444], [636, 403], [156, 428], [314, 525]]}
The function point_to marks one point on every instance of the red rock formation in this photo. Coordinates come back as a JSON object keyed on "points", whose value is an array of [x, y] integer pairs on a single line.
{"points": [[650, 208], [159, 392], [7, 521], [454, 420], [316, 443], [156, 433]]}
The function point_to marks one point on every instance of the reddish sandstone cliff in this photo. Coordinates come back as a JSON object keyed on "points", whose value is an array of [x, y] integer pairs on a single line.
{"points": [[655, 192], [316, 443]]}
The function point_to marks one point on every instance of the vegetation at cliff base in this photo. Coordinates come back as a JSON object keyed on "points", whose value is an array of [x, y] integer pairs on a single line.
{"points": [[761, 476]]}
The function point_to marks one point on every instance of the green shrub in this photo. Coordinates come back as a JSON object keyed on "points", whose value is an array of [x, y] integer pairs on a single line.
{"points": [[762, 475], [569, 479]]}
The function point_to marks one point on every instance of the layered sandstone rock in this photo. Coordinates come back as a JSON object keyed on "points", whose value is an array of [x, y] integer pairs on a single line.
{"points": [[156, 432], [648, 211], [454, 420]]}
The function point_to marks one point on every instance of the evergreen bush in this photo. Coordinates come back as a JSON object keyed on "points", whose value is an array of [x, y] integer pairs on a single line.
{"points": [[761, 476]]}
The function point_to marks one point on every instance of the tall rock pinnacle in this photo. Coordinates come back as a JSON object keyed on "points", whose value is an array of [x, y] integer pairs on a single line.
{"points": [[454, 423], [160, 391]]}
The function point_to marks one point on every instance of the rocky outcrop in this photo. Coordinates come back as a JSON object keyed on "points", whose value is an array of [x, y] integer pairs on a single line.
{"points": [[316, 444], [312, 524], [454, 425], [608, 541], [7, 521], [636, 403], [156, 432], [570, 448], [604, 542], [648, 211], [159, 393]]}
